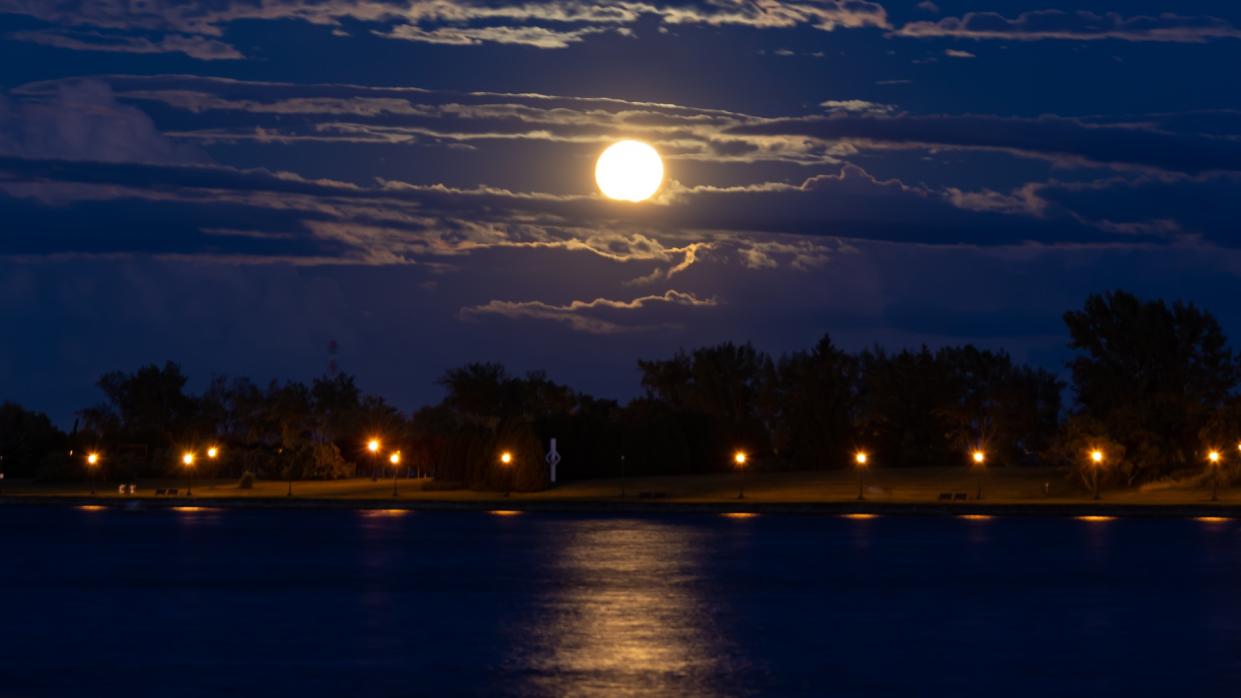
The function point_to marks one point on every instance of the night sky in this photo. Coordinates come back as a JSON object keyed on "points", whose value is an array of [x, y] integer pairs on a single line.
{"points": [[234, 185]]}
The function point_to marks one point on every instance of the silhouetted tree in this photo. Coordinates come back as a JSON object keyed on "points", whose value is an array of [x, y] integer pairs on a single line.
{"points": [[816, 401], [26, 439], [1151, 374]]}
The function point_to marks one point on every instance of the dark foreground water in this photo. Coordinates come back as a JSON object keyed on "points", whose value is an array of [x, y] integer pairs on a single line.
{"points": [[354, 603]]}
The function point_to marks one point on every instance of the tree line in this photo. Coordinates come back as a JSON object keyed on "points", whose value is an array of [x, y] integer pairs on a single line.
{"points": [[1154, 385]]}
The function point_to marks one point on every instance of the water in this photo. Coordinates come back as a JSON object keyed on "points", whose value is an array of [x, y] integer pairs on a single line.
{"points": [[338, 602]]}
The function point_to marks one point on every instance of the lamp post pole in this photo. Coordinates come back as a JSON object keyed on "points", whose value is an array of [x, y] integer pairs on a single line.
{"points": [[395, 460], [980, 459], [1096, 459], [740, 459], [187, 459], [92, 464], [506, 460], [861, 458], [1213, 459]]}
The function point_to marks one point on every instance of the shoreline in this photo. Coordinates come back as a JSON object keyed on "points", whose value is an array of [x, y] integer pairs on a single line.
{"points": [[648, 507]]}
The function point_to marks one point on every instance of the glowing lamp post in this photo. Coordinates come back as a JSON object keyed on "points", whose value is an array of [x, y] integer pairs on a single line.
{"points": [[92, 464], [1096, 462], [506, 460], [1213, 457], [395, 460], [373, 447], [861, 459], [740, 458], [980, 460], [187, 459]]}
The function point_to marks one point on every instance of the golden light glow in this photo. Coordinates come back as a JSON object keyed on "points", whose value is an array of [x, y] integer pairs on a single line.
{"points": [[979, 457], [373, 445], [738, 514], [860, 517], [91, 507], [977, 517], [1212, 519], [860, 458], [629, 171], [395, 458], [384, 513], [192, 510], [1096, 456], [1213, 456], [506, 458], [503, 512], [213, 452], [188, 459], [92, 458], [740, 458], [1096, 519]]}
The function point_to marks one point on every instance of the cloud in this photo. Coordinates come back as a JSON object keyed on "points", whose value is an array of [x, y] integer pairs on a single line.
{"points": [[856, 106], [200, 47], [955, 53], [1067, 142], [376, 115], [551, 24], [1041, 25], [589, 316], [81, 120], [537, 37], [159, 201]]}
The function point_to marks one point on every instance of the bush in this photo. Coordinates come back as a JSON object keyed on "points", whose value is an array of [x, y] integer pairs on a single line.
{"points": [[247, 481]]}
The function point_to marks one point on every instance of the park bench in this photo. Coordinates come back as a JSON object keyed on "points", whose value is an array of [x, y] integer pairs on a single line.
{"points": [[945, 496], [961, 496], [159, 491]]}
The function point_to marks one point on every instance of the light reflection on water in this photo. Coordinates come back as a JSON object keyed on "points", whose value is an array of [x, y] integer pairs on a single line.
{"points": [[383, 513], [464, 603], [628, 616]]}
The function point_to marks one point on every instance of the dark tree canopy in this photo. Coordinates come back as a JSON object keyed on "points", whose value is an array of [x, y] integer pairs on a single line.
{"points": [[1155, 385], [1151, 374]]}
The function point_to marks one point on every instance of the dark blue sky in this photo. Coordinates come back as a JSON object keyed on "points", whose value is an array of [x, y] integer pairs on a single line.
{"points": [[234, 185]]}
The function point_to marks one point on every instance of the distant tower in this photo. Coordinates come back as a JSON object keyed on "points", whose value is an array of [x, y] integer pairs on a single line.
{"points": [[332, 368]]}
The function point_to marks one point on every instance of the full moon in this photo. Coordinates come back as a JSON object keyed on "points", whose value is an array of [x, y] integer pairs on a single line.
{"points": [[629, 171]]}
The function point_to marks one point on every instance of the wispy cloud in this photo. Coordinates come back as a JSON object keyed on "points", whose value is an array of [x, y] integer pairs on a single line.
{"points": [[1082, 25], [547, 24], [598, 316], [200, 47]]}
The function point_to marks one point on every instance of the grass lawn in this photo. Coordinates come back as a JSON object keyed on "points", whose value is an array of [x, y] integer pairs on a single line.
{"points": [[1026, 486]]}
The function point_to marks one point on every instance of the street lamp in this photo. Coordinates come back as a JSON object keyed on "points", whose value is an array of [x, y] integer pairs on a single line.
{"points": [[92, 460], [860, 458], [187, 459], [395, 460], [980, 459], [740, 458], [373, 446], [1096, 459], [213, 452], [1213, 457], [506, 459]]}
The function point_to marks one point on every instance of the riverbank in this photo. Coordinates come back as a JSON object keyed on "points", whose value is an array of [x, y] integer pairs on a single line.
{"points": [[1024, 492]]}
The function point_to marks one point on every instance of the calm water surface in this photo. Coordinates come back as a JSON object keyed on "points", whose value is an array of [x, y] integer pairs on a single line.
{"points": [[356, 603]]}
